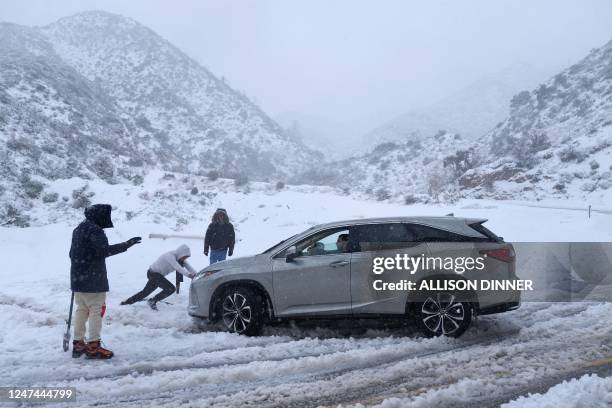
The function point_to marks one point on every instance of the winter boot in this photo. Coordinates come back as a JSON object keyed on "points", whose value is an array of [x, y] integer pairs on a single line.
{"points": [[95, 350], [152, 304], [78, 348]]}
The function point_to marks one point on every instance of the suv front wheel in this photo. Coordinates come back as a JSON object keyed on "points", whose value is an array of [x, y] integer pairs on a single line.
{"points": [[241, 311], [442, 313]]}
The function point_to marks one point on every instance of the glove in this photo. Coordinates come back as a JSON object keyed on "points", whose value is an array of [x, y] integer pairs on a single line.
{"points": [[206, 253], [133, 241], [230, 253], [191, 275]]}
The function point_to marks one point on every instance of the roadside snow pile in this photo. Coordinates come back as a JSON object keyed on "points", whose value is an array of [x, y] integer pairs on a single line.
{"points": [[587, 391]]}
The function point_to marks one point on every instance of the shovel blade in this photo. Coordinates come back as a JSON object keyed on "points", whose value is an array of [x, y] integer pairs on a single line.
{"points": [[66, 343]]}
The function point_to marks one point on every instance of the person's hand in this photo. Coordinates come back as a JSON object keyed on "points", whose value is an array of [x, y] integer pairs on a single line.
{"points": [[191, 275], [133, 241], [206, 253], [230, 253]]}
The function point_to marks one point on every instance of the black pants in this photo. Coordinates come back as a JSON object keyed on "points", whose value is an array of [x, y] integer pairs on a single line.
{"points": [[156, 280]]}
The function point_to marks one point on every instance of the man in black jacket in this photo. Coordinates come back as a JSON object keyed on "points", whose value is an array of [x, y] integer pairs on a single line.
{"points": [[88, 280], [220, 237]]}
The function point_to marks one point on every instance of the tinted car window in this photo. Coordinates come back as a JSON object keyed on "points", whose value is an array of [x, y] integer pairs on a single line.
{"points": [[376, 237], [424, 233], [326, 242], [486, 232]]}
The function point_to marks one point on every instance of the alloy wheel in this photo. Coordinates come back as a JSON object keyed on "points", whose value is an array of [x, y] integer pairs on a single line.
{"points": [[236, 312], [442, 315]]}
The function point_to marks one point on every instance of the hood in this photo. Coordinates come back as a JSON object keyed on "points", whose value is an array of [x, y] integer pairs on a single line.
{"points": [[240, 262], [182, 251], [99, 214]]}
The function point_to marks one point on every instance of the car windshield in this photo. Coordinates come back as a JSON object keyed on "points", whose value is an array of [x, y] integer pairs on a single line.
{"points": [[275, 245]]}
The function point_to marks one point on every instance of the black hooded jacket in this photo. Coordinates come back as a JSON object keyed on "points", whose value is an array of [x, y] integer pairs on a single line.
{"points": [[90, 249], [220, 236]]}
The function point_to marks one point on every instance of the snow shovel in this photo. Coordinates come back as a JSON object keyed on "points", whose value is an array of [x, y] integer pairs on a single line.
{"points": [[179, 279], [67, 334]]}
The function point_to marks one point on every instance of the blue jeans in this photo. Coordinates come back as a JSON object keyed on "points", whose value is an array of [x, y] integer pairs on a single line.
{"points": [[217, 255]]}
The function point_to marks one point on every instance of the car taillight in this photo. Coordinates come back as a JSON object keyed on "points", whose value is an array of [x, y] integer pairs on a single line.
{"points": [[505, 254]]}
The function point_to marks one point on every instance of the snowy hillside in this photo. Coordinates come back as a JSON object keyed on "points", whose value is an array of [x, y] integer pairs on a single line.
{"points": [[555, 143], [207, 124], [557, 140], [412, 171], [54, 123], [470, 112], [335, 139], [101, 97]]}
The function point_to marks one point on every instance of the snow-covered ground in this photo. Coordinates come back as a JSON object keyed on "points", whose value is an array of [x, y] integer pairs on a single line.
{"points": [[168, 360], [587, 391]]}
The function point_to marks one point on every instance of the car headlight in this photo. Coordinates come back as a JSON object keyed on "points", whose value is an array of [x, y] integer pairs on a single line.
{"points": [[204, 274]]}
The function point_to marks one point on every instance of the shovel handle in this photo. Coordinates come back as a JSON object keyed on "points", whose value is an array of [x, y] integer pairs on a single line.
{"points": [[66, 341]]}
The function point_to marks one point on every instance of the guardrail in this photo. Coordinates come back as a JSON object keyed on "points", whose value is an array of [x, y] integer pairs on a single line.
{"points": [[588, 209], [171, 236]]}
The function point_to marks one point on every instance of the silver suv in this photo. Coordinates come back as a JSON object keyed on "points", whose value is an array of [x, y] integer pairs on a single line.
{"points": [[327, 272]]}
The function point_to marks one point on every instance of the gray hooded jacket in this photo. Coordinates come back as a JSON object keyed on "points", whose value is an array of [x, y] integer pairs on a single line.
{"points": [[168, 262]]}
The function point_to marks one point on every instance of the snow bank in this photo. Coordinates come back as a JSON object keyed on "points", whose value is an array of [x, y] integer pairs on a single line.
{"points": [[587, 391]]}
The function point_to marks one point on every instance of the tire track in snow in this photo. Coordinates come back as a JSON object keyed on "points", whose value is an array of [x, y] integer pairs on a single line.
{"points": [[296, 383], [599, 343], [265, 353], [221, 389], [43, 368], [216, 392], [378, 382], [541, 386], [380, 389], [25, 304]]}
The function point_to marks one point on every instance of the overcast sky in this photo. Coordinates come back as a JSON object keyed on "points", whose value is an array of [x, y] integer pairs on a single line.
{"points": [[359, 62]]}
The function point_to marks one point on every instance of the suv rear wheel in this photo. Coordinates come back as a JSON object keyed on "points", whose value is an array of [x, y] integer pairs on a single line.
{"points": [[442, 313], [242, 311]]}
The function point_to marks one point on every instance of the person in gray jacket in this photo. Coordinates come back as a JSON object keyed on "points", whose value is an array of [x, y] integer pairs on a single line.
{"points": [[168, 262]]}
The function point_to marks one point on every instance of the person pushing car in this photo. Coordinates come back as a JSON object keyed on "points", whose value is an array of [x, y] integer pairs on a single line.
{"points": [[88, 252], [168, 262]]}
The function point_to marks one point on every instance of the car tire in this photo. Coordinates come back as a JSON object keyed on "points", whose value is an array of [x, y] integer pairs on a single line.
{"points": [[241, 310], [443, 314]]}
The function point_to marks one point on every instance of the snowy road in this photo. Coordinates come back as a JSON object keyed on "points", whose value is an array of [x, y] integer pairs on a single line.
{"points": [[500, 358], [168, 360]]}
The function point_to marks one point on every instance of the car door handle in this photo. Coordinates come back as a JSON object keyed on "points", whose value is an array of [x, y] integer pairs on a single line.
{"points": [[338, 263]]}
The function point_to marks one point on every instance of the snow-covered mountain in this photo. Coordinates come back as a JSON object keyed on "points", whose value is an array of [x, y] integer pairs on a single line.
{"points": [[54, 123], [413, 170], [97, 95], [207, 124], [335, 139], [555, 143], [557, 139], [470, 112]]}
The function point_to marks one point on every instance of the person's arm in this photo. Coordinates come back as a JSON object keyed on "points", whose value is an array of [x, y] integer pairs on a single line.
{"points": [[207, 240], [177, 266], [189, 268], [232, 240], [102, 248]]}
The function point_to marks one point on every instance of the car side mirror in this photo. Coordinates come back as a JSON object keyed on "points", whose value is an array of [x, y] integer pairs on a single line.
{"points": [[291, 253]]}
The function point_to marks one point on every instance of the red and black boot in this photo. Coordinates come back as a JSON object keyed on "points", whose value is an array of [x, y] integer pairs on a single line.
{"points": [[95, 350], [78, 348]]}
